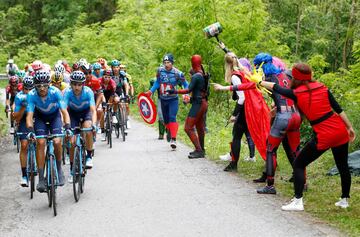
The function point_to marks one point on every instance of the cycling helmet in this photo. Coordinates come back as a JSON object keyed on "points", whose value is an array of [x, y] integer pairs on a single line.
{"points": [[77, 76], [82, 60], [84, 66], [42, 77], [28, 82], [108, 72], [57, 77], [115, 63], [13, 80], [96, 66], [123, 66], [59, 68], [37, 65], [21, 74]]}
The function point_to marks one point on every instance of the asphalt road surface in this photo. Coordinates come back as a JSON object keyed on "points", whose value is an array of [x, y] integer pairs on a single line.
{"points": [[142, 188]]}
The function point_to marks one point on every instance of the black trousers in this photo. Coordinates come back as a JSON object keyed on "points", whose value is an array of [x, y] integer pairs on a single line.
{"points": [[310, 153]]}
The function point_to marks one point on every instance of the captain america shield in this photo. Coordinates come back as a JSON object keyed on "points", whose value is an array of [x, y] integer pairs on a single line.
{"points": [[147, 108]]}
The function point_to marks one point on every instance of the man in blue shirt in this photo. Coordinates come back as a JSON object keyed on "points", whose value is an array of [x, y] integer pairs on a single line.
{"points": [[81, 106], [46, 105]]}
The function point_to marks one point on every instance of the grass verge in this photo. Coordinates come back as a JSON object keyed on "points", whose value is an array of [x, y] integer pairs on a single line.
{"points": [[323, 190]]}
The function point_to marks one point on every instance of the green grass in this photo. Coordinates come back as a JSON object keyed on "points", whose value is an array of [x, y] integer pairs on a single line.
{"points": [[3, 121], [3, 83], [323, 190]]}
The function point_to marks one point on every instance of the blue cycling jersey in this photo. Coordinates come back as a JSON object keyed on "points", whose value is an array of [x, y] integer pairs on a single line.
{"points": [[20, 101], [80, 102], [101, 73], [168, 80], [45, 105]]}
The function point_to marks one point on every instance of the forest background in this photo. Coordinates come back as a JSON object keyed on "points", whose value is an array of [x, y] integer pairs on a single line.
{"points": [[323, 33]]}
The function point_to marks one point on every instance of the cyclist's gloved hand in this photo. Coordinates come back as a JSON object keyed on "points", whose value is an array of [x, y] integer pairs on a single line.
{"points": [[7, 108], [68, 131], [31, 134]]}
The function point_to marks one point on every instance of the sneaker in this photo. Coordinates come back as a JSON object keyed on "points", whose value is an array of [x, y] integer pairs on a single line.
{"points": [[267, 190], [67, 159], [250, 159], [89, 163], [232, 167], [196, 155], [173, 144], [98, 131], [296, 204], [24, 182], [161, 137], [292, 178], [61, 177], [41, 186], [70, 179], [128, 124], [12, 130], [103, 136], [226, 157], [343, 203], [262, 179], [114, 119]]}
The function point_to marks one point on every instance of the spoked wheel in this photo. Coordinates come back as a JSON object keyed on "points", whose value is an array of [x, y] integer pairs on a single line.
{"points": [[123, 123], [48, 185], [109, 136], [63, 155], [17, 144], [82, 187], [52, 185], [31, 173], [76, 174]]}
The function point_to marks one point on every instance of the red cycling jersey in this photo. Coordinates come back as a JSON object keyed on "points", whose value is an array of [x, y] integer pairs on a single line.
{"points": [[11, 91], [94, 84], [111, 86]]}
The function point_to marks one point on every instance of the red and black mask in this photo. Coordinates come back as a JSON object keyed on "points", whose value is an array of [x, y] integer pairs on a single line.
{"points": [[196, 63]]}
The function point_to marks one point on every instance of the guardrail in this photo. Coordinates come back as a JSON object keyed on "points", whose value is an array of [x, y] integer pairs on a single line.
{"points": [[3, 77]]}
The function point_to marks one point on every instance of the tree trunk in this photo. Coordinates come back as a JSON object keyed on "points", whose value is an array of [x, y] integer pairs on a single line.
{"points": [[349, 35], [298, 28]]}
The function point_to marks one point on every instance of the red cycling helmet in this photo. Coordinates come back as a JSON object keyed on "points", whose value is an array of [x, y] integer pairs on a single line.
{"points": [[107, 72], [13, 80], [37, 65]]}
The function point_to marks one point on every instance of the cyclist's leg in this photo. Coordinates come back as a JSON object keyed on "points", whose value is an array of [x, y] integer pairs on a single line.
{"points": [[23, 148], [56, 128]]}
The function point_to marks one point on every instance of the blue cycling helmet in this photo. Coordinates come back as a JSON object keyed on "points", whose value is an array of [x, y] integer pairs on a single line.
{"points": [[115, 63], [77, 76], [42, 77], [28, 82], [96, 66], [168, 57]]}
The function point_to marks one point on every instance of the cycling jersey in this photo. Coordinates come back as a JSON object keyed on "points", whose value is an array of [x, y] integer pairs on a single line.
{"points": [[81, 102], [98, 76], [11, 91], [108, 89], [93, 84], [63, 86], [127, 76], [20, 100], [45, 105]]}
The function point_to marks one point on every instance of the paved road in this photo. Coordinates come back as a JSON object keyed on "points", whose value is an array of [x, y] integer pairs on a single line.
{"points": [[141, 188]]}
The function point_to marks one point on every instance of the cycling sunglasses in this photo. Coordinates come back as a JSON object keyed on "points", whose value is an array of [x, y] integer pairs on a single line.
{"points": [[42, 85]]}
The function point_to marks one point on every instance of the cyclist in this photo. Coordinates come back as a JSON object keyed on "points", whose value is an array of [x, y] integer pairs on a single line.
{"points": [[11, 67], [103, 63], [167, 78], [45, 104], [108, 86], [122, 86], [61, 69], [11, 90], [20, 117], [81, 106], [94, 84], [130, 94], [57, 81], [97, 71]]}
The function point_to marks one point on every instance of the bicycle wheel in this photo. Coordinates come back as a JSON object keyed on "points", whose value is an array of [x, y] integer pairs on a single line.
{"points": [[17, 143], [83, 159], [123, 122], [109, 135], [63, 155], [31, 171], [76, 173], [117, 125], [108, 125], [52, 185], [48, 177]]}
